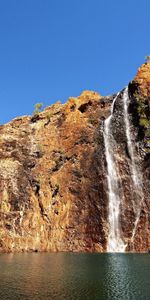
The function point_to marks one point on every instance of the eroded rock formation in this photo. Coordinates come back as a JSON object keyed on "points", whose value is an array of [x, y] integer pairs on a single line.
{"points": [[53, 174]]}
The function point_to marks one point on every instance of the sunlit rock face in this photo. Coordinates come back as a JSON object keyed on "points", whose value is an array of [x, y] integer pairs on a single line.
{"points": [[142, 81], [53, 174]]}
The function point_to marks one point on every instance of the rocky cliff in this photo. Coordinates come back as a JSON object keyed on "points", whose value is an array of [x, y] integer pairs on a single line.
{"points": [[53, 174]]}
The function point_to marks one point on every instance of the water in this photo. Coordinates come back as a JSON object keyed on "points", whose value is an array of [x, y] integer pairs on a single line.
{"points": [[115, 242], [135, 172], [72, 276], [115, 237]]}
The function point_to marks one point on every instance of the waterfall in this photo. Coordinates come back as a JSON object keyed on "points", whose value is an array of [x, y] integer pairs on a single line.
{"points": [[135, 172], [115, 242], [115, 236]]}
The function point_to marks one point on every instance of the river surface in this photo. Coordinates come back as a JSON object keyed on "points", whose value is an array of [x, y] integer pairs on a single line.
{"points": [[73, 276]]}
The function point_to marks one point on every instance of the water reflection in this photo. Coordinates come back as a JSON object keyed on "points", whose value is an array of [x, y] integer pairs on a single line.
{"points": [[68, 276], [119, 278]]}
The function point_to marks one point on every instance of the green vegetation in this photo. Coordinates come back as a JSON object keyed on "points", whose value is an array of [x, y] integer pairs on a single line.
{"points": [[143, 110], [144, 122], [37, 108], [49, 115], [147, 58]]}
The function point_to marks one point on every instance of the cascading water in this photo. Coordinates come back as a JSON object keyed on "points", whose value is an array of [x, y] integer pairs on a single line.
{"points": [[115, 242], [135, 172]]}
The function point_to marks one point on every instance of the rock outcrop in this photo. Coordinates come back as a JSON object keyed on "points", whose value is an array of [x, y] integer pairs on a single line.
{"points": [[142, 81], [53, 175]]}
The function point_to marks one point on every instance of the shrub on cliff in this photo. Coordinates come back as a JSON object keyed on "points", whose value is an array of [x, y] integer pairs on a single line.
{"points": [[37, 108], [147, 58]]}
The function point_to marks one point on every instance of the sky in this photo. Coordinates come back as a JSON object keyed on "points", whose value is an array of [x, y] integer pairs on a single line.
{"points": [[53, 49]]}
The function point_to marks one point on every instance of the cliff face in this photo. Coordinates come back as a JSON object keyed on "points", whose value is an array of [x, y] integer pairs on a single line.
{"points": [[53, 174]]}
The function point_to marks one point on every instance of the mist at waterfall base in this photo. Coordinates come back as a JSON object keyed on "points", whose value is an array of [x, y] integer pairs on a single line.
{"points": [[74, 276]]}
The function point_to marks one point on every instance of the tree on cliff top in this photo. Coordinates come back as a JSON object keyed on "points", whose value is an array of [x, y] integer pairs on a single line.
{"points": [[147, 58], [38, 107]]}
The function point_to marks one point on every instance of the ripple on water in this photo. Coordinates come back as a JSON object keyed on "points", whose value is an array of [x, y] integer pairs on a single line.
{"points": [[68, 276]]}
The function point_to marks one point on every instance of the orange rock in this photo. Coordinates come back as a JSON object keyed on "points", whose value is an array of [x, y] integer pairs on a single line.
{"points": [[143, 80], [53, 178], [48, 179]]}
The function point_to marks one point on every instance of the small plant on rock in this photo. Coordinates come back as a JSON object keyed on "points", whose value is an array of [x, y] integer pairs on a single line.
{"points": [[38, 108], [147, 58], [36, 112]]}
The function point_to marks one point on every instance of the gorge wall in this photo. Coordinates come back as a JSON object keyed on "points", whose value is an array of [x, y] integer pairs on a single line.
{"points": [[53, 174]]}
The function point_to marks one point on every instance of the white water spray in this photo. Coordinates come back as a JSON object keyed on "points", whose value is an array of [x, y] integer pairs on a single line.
{"points": [[115, 242], [135, 172]]}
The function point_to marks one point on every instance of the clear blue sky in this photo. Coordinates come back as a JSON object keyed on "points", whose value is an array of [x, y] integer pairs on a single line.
{"points": [[53, 49]]}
